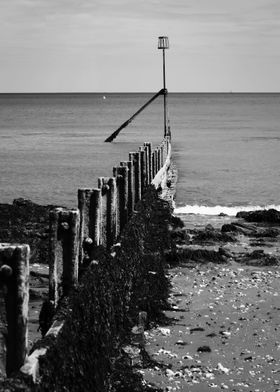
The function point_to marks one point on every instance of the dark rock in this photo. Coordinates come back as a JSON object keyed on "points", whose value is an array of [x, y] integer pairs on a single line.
{"points": [[258, 258], [196, 329], [211, 335], [238, 227], [180, 236], [270, 233], [270, 216], [204, 349], [212, 235], [209, 228], [229, 227], [222, 214], [177, 222], [187, 255], [225, 252]]}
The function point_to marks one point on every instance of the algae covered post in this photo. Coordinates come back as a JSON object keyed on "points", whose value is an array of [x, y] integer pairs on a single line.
{"points": [[14, 297]]}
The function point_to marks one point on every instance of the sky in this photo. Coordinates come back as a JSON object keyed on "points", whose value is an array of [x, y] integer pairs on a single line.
{"points": [[111, 45]]}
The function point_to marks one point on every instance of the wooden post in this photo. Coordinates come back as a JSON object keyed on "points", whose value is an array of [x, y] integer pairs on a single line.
{"points": [[161, 154], [138, 175], [119, 187], [143, 165], [130, 203], [64, 251], [14, 278], [70, 225], [112, 211], [95, 225], [134, 158], [159, 163], [147, 165], [103, 186], [149, 162], [121, 174], [153, 164], [84, 205], [55, 256]]}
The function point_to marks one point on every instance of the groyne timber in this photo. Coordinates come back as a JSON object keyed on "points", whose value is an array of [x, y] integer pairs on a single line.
{"points": [[106, 281]]}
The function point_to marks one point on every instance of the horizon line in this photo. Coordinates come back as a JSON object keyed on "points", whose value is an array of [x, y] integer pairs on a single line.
{"points": [[138, 92]]}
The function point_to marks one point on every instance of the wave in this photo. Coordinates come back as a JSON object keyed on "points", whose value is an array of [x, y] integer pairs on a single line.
{"points": [[216, 210]]}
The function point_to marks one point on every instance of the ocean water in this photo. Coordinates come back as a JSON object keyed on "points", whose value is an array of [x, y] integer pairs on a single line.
{"points": [[226, 146]]}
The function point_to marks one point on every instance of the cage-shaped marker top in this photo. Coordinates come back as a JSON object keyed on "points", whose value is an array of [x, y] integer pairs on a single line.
{"points": [[163, 43]]}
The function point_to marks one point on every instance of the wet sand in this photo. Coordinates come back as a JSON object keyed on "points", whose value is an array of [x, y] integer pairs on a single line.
{"points": [[224, 330]]}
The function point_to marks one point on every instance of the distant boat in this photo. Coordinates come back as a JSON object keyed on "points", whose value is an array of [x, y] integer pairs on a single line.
{"points": [[104, 96]]}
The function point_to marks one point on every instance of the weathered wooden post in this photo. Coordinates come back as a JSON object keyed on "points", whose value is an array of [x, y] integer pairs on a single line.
{"points": [[143, 172], [134, 158], [84, 206], [64, 251], [121, 174], [159, 158], [90, 205], [112, 211], [95, 217], [138, 176], [161, 154], [148, 148], [130, 204], [147, 165], [154, 164], [103, 186], [55, 256], [14, 297]]}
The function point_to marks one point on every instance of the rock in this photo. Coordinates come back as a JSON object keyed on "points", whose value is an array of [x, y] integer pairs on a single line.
{"points": [[177, 222], [204, 349], [225, 252], [238, 227], [211, 335], [133, 354], [270, 216], [186, 255], [180, 236], [212, 235], [197, 329], [228, 228], [258, 258], [270, 232]]}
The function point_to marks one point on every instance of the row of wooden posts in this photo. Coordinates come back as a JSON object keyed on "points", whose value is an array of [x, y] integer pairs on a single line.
{"points": [[99, 219]]}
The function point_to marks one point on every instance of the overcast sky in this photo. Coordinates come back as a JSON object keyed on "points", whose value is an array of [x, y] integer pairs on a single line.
{"points": [[111, 45]]}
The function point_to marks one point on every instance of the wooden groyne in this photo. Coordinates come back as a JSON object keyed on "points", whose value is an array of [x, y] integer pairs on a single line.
{"points": [[75, 237]]}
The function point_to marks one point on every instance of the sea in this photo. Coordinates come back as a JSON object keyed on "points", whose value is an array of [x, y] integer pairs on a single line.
{"points": [[226, 146]]}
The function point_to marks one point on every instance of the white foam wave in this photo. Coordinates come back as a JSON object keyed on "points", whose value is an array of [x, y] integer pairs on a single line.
{"points": [[216, 210]]}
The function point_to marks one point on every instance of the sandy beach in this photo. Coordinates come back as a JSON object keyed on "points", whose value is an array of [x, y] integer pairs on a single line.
{"points": [[222, 330]]}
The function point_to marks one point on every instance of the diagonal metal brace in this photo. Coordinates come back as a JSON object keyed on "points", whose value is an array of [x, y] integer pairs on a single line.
{"points": [[126, 123]]}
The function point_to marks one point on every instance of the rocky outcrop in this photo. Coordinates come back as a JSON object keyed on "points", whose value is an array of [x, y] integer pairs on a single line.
{"points": [[269, 216]]}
